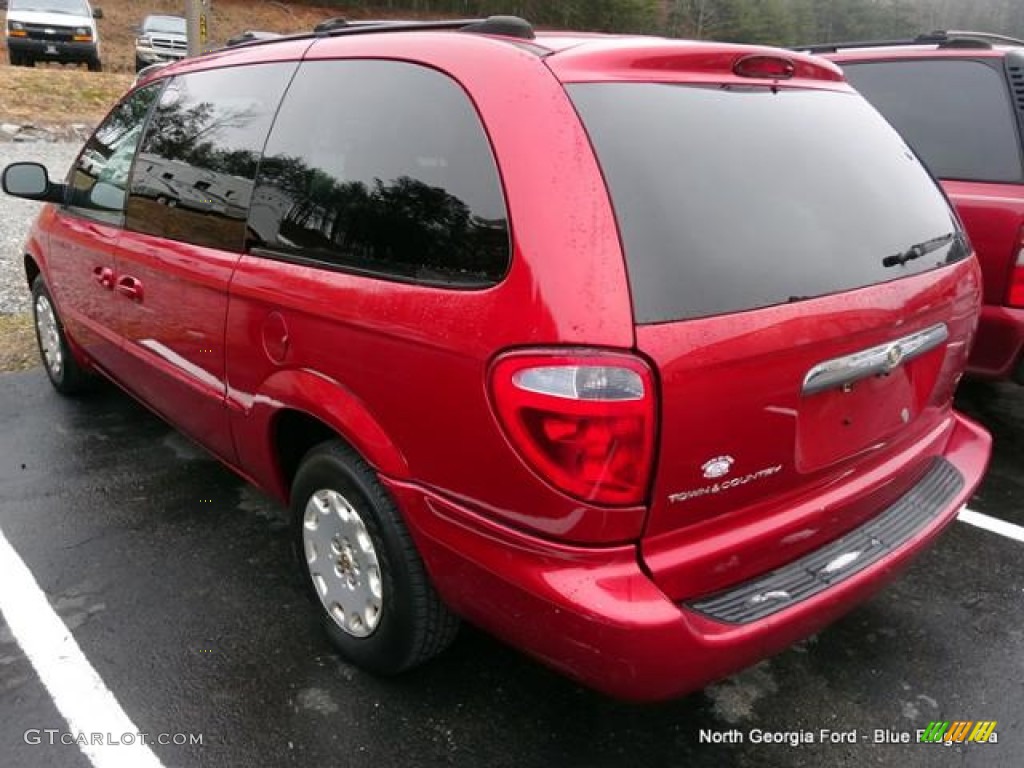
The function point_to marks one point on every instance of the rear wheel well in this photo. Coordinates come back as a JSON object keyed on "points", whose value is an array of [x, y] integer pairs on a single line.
{"points": [[295, 434], [31, 270]]}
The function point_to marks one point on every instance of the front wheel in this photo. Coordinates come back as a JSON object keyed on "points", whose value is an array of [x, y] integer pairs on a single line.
{"points": [[64, 372], [363, 571], [95, 65]]}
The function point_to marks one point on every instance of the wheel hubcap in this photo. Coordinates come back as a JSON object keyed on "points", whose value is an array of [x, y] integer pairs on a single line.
{"points": [[49, 337], [342, 563]]}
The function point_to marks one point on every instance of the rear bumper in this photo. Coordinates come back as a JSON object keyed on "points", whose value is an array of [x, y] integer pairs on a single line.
{"points": [[999, 348], [594, 613], [45, 50]]}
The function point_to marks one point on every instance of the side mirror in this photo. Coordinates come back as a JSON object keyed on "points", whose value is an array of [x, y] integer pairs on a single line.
{"points": [[31, 181], [97, 13]]}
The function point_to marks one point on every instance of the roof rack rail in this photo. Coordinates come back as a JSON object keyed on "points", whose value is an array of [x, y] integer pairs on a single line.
{"points": [[506, 26], [988, 37], [251, 35], [952, 38]]}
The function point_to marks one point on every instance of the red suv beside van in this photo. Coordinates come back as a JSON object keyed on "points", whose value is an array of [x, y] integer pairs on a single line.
{"points": [[637, 353], [958, 99]]}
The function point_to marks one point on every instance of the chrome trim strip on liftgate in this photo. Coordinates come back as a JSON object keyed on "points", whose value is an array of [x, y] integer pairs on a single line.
{"points": [[875, 361]]}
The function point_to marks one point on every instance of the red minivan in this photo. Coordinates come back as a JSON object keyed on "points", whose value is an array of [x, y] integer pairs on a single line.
{"points": [[637, 353], [958, 99]]}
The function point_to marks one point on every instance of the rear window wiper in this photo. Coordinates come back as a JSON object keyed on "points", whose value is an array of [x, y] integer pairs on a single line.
{"points": [[918, 250]]}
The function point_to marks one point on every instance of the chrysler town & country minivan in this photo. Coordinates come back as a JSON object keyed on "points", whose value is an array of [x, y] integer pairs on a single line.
{"points": [[637, 353]]}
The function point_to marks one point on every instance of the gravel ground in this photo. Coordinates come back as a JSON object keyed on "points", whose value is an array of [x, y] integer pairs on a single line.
{"points": [[16, 217]]}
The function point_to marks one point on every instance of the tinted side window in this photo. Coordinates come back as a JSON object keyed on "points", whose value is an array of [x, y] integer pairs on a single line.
{"points": [[955, 114], [382, 167], [99, 177], [194, 175]]}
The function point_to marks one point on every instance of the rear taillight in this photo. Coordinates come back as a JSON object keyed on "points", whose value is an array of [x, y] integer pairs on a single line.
{"points": [[1015, 296], [584, 421]]}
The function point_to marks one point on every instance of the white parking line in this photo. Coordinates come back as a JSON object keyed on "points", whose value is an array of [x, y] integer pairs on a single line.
{"points": [[80, 695], [1003, 528]]}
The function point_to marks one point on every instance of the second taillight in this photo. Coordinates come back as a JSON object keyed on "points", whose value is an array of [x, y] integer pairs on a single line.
{"points": [[1015, 296], [584, 421]]}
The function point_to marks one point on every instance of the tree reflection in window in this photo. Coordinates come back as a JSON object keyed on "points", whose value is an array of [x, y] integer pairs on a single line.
{"points": [[194, 175], [395, 177], [99, 178]]}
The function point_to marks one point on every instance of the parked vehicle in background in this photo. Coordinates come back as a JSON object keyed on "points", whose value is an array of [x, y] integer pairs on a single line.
{"points": [[148, 70], [161, 39], [637, 353], [958, 99], [63, 31]]}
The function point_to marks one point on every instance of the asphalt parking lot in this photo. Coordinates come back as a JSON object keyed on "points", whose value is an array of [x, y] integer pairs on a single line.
{"points": [[175, 580]]}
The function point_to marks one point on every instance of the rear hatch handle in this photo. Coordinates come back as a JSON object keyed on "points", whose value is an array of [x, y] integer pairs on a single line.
{"points": [[880, 360]]}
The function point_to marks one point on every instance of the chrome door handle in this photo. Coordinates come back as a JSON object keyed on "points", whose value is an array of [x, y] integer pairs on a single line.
{"points": [[130, 287]]}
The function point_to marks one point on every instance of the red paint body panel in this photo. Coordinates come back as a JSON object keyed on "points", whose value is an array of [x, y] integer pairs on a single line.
{"points": [[173, 334], [999, 350], [284, 50], [596, 616], [993, 215], [830, 461], [78, 250], [657, 60]]}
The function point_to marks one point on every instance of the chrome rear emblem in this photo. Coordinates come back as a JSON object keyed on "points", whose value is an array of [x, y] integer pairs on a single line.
{"points": [[720, 466], [844, 372]]}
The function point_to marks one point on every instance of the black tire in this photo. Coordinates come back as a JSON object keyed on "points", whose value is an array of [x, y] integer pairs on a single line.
{"points": [[139, 65], [95, 65], [413, 625], [63, 370], [28, 61], [15, 59]]}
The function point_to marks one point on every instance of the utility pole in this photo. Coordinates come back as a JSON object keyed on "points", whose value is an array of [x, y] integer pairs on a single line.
{"points": [[198, 14]]}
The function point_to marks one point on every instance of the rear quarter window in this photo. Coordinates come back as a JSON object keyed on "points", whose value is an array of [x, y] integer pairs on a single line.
{"points": [[956, 114], [382, 168]]}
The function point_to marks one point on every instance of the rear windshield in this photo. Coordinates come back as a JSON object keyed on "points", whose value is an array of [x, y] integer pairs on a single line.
{"points": [[732, 199], [956, 114]]}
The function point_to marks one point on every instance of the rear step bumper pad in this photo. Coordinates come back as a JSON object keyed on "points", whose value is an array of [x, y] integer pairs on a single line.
{"points": [[832, 564]]}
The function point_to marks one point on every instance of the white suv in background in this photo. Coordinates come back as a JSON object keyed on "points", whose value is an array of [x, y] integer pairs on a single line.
{"points": [[53, 30]]}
